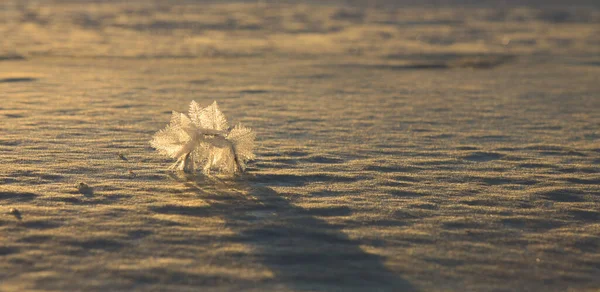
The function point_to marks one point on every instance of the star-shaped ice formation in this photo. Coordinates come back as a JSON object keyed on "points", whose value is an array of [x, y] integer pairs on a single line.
{"points": [[203, 140]]}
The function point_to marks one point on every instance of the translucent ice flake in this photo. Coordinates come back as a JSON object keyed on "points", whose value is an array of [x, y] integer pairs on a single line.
{"points": [[202, 140]]}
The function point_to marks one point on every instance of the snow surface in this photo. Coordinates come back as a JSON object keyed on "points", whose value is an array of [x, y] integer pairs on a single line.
{"points": [[399, 147]]}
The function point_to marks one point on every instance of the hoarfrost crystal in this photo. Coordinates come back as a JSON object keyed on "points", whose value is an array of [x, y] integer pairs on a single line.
{"points": [[203, 140]]}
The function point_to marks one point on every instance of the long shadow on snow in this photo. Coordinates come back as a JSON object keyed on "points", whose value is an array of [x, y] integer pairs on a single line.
{"points": [[304, 252]]}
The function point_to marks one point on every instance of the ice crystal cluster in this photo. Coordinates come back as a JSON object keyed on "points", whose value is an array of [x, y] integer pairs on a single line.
{"points": [[202, 140]]}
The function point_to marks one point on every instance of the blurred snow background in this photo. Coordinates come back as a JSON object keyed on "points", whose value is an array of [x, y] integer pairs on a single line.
{"points": [[381, 29]]}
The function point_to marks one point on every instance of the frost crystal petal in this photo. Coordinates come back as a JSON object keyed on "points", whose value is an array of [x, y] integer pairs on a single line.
{"points": [[242, 139], [171, 140], [212, 118], [195, 112]]}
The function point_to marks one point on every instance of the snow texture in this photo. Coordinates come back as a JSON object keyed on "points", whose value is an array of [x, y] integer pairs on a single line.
{"points": [[204, 141]]}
